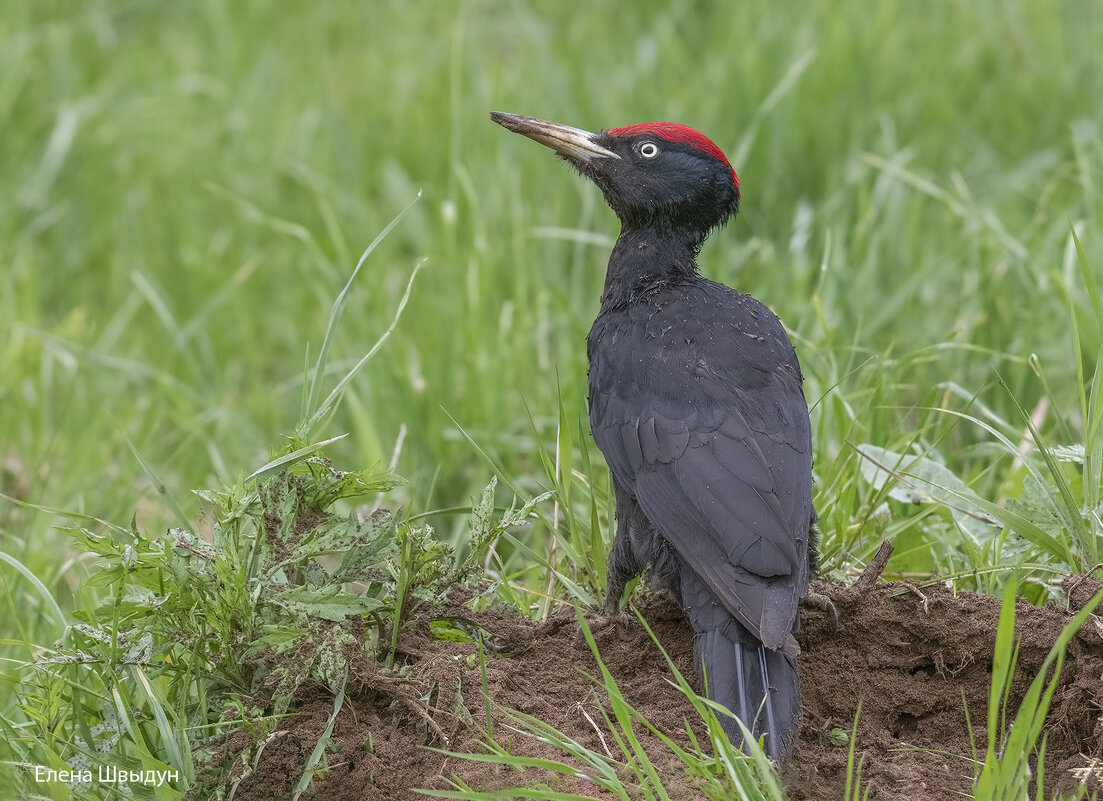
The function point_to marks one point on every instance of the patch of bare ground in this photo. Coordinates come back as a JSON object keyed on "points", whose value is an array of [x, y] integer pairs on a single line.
{"points": [[914, 658]]}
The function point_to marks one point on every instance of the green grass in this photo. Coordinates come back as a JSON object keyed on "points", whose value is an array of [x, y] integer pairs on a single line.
{"points": [[186, 188], [714, 769]]}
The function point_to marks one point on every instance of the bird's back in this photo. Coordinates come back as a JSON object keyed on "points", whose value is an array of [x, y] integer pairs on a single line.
{"points": [[696, 404]]}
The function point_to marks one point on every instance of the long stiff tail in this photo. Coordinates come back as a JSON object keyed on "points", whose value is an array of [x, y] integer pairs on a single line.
{"points": [[757, 684]]}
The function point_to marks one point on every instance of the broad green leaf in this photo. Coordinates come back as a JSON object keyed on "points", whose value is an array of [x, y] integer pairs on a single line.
{"points": [[327, 603]]}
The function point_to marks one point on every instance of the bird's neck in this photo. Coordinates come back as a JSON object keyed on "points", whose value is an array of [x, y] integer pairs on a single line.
{"points": [[645, 260]]}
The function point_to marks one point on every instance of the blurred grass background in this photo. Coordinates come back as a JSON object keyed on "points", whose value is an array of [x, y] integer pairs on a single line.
{"points": [[185, 187]]}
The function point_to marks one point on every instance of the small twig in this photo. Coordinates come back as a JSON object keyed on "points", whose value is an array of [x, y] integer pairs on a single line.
{"points": [[1076, 581], [413, 705], [926, 601], [590, 720], [875, 567], [256, 761], [194, 551], [393, 689]]}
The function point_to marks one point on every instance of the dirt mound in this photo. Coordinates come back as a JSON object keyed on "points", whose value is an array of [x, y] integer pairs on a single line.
{"points": [[917, 659], [914, 658]]}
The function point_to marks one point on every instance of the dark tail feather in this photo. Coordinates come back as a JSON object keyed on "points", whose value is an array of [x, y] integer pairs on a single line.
{"points": [[758, 685]]}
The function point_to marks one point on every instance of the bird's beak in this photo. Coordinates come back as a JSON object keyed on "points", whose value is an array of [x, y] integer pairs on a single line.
{"points": [[563, 139]]}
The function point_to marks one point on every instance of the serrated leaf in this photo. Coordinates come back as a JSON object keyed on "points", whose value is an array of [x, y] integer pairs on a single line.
{"points": [[278, 638], [334, 485], [371, 537], [1068, 453], [1036, 504], [363, 562], [93, 543], [327, 603], [141, 652], [520, 517], [67, 658], [482, 529]]}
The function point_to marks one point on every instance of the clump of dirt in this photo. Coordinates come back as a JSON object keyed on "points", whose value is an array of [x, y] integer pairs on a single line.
{"points": [[914, 658], [917, 659]]}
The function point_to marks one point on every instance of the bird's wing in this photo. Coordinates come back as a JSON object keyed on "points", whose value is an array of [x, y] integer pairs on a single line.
{"points": [[713, 439]]}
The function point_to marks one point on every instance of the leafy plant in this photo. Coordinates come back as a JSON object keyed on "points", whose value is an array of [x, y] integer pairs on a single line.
{"points": [[215, 628]]}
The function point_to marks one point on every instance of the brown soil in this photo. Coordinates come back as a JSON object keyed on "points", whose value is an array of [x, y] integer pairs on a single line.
{"points": [[915, 659]]}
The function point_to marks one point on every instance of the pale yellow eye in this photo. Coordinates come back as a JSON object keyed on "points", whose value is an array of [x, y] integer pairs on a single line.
{"points": [[649, 150]]}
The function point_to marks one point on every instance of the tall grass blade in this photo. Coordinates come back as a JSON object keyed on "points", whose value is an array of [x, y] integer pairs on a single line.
{"points": [[334, 396], [338, 307]]}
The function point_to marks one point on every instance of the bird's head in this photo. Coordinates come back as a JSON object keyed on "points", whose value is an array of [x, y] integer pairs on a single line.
{"points": [[659, 174]]}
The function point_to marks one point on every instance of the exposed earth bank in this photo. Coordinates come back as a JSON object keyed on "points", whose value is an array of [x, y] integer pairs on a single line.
{"points": [[915, 659]]}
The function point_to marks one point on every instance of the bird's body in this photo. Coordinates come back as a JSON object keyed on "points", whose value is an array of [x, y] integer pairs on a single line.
{"points": [[707, 456], [696, 404]]}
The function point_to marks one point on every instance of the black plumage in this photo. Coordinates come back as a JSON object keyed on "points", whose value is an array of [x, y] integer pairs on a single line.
{"points": [[696, 403]]}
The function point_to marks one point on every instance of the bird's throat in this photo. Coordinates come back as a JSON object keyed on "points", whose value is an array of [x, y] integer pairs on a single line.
{"points": [[645, 261]]}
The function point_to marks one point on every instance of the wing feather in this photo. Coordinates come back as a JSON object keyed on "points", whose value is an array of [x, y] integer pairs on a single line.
{"points": [[717, 452]]}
